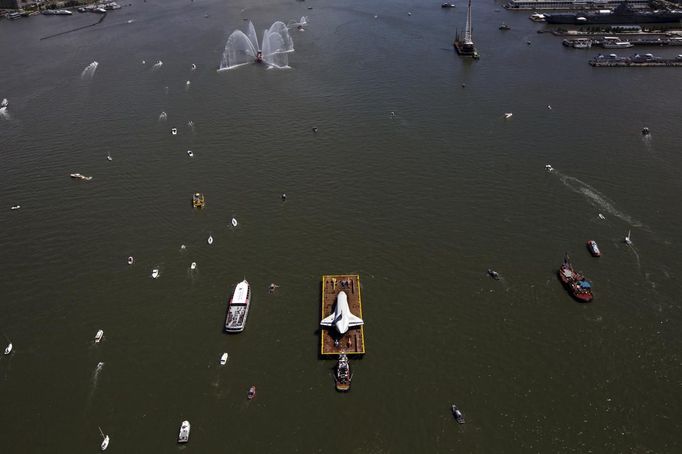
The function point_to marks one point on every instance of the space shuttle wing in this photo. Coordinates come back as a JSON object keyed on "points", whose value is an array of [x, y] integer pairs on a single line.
{"points": [[354, 321], [328, 321]]}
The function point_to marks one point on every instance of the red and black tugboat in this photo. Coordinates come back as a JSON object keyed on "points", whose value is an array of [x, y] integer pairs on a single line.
{"points": [[259, 57], [575, 282], [593, 248]]}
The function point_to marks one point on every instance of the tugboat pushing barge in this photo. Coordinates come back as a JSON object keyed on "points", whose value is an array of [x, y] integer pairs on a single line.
{"points": [[576, 284], [343, 374]]}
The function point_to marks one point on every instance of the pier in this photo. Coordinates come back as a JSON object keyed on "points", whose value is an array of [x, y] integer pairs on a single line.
{"points": [[646, 60], [352, 342]]}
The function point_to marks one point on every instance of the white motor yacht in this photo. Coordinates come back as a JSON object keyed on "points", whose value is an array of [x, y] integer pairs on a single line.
{"points": [[99, 336], [8, 349], [223, 359], [155, 273], [183, 436]]}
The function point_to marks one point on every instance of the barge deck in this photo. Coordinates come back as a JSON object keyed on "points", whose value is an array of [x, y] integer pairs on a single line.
{"points": [[353, 341]]}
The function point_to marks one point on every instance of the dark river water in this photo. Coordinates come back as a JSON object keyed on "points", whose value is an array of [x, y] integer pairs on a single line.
{"points": [[419, 203]]}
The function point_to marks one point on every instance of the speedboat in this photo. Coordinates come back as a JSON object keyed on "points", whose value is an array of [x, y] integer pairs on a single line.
{"points": [[549, 168], [190, 154], [508, 115], [602, 217], [131, 260], [343, 375], [174, 131], [210, 239], [8, 349], [234, 222], [98, 336], [223, 359], [252, 392], [109, 157], [627, 238], [78, 176], [155, 273], [494, 274], [15, 207], [447, 5], [198, 200], [193, 266], [593, 248], [183, 436], [459, 417], [105, 440]]}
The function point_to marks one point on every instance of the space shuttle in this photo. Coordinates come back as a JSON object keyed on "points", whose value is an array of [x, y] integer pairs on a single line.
{"points": [[342, 319]]}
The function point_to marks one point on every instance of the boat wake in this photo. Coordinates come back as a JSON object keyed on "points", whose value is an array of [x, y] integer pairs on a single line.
{"points": [[163, 116], [93, 382], [89, 71], [596, 198], [4, 114]]}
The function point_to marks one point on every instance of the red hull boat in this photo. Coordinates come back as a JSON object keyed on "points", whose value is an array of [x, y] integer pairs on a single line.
{"points": [[593, 248], [575, 282]]}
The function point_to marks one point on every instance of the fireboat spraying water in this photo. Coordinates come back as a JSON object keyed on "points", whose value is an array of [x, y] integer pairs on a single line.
{"points": [[243, 48]]}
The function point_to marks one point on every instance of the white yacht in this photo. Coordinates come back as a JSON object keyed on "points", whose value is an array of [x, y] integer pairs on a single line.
{"points": [[210, 239], [238, 308], [99, 336], [223, 359], [8, 350], [183, 436], [234, 222], [155, 273]]}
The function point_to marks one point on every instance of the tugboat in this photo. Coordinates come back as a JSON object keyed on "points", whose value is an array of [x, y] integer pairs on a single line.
{"points": [[252, 392], [183, 435], [259, 57], [576, 284], [459, 417], [198, 200], [593, 248], [343, 375]]}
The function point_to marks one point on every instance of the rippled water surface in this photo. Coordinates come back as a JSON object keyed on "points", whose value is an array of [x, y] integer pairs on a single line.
{"points": [[414, 180]]}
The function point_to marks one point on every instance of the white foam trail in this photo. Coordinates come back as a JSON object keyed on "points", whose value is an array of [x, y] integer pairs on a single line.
{"points": [[4, 114], [596, 198], [89, 71], [163, 116], [157, 65]]}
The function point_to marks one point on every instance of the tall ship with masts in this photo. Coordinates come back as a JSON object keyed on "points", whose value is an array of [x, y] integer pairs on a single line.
{"points": [[238, 308], [465, 47]]}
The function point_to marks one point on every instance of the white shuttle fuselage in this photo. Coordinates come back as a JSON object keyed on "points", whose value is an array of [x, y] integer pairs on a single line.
{"points": [[341, 318]]}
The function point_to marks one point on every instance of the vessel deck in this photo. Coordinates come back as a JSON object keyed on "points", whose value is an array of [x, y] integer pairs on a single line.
{"points": [[353, 341]]}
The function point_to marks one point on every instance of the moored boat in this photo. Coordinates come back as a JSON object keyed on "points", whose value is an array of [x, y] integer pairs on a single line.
{"points": [[343, 375], [183, 435], [593, 248], [252, 392], [238, 308], [576, 284], [459, 417], [99, 336]]}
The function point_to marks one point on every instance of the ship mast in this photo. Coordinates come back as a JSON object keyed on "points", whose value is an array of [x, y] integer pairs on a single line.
{"points": [[467, 33]]}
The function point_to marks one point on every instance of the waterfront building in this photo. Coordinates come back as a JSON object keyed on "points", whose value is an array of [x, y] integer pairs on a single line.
{"points": [[534, 5]]}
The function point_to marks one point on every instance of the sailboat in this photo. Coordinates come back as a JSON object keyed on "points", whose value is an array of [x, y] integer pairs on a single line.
{"points": [[105, 440], [627, 238]]}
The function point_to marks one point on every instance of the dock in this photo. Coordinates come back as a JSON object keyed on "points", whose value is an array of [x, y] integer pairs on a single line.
{"points": [[353, 341]]}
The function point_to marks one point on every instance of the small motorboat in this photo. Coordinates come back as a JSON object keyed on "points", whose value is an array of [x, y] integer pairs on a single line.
{"points": [[155, 273], [174, 131], [194, 66], [284, 197], [198, 200], [223, 359], [210, 239], [459, 417], [15, 207], [131, 260], [504, 27], [4, 103], [343, 374], [193, 266], [183, 435], [314, 129], [593, 248], [99, 336], [78, 176], [645, 131], [105, 440], [508, 115], [549, 168], [252, 392], [494, 274], [602, 217], [190, 154], [187, 83], [627, 239], [109, 157], [234, 222], [447, 5], [8, 349]]}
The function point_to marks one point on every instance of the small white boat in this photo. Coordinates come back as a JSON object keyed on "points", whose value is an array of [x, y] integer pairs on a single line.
{"points": [[174, 131], [109, 157], [190, 154], [210, 239], [601, 216], [155, 273], [193, 266], [549, 168], [223, 359], [183, 247], [194, 66], [627, 238], [4, 102], [99, 336], [78, 176], [105, 440], [183, 436], [187, 83], [15, 207], [131, 260], [508, 115], [234, 222], [8, 349]]}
